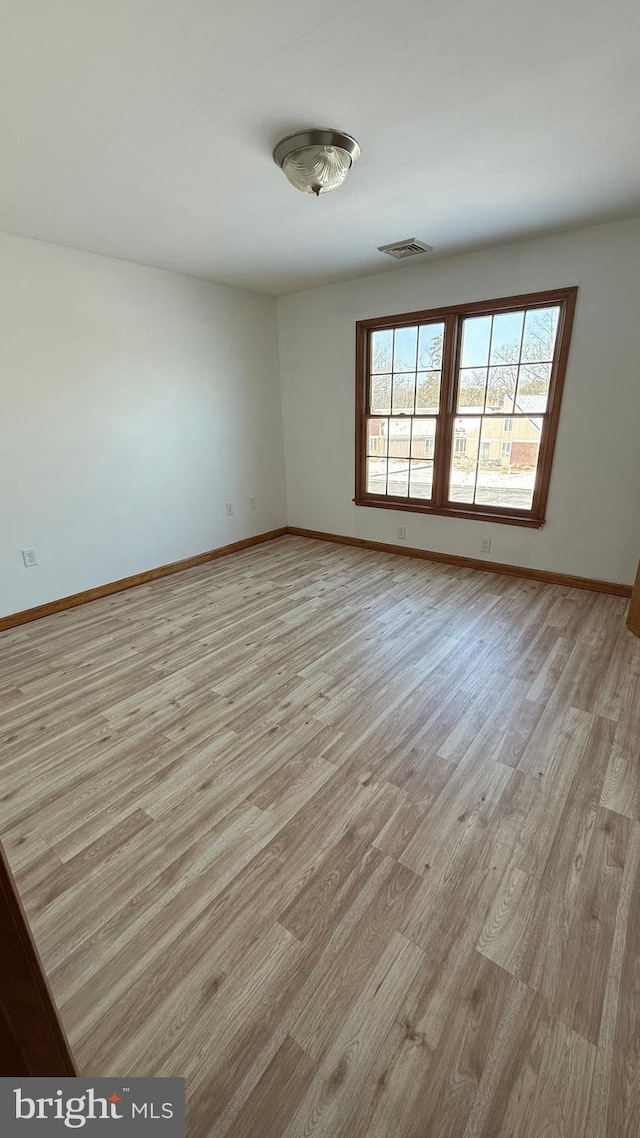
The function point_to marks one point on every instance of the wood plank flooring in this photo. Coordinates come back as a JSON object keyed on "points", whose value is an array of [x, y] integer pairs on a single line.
{"points": [[350, 841]]}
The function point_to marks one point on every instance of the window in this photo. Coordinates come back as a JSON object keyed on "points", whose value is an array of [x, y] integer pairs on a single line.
{"points": [[445, 397]]}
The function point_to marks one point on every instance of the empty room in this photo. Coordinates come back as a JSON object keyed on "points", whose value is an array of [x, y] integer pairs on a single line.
{"points": [[319, 585]]}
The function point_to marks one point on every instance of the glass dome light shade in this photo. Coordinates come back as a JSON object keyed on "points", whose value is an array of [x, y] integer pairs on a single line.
{"points": [[317, 169], [316, 160]]}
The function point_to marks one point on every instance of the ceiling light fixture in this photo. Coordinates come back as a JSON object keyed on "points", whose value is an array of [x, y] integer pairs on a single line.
{"points": [[317, 160]]}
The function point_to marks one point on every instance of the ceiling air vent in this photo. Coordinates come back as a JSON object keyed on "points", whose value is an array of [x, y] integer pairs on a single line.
{"points": [[409, 248]]}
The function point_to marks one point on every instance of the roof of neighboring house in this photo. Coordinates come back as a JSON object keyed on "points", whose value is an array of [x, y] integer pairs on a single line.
{"points": [[531, 404]]}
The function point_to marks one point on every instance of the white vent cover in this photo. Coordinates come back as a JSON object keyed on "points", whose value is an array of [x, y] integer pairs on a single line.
{"points": [[408, 248]]}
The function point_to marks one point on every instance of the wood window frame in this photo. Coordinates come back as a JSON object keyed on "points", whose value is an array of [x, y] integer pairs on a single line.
{"points": [[453, 316]]}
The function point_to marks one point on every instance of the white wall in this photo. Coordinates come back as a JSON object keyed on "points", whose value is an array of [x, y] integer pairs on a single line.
{"points": [[593, 526], [134, 403]]}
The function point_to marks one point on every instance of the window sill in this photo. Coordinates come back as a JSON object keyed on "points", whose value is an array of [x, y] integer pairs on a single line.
{"points": [[501, 517]]}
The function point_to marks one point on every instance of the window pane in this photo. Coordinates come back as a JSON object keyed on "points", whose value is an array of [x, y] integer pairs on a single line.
{"points": [[377, 432], [540, 327], [507, 476], [490, 446], [381, 394], [405, 347], [464, 456], [501, 388], [471, 388], [376, 475], [533, 388], [421, 479], [398, 480], [399, 437], [428, 392], [430, 339], [476, 333], [382, 350], [506, 338], [423, 438], [404, 393]]}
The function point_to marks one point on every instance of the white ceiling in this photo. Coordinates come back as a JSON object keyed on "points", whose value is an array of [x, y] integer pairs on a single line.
{"points": [[143, 129]]}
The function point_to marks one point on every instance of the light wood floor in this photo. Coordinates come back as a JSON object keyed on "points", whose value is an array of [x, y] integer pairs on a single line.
{"points": [[349, 840]]}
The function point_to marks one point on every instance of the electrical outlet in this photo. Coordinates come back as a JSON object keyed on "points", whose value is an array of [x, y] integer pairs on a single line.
{"points": [[230, 509], [30, 557], [485, 545], [402, 533], [253, 503]]}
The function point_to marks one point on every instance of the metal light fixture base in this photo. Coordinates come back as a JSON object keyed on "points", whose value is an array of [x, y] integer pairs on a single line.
{"points": [[316, 136]]}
